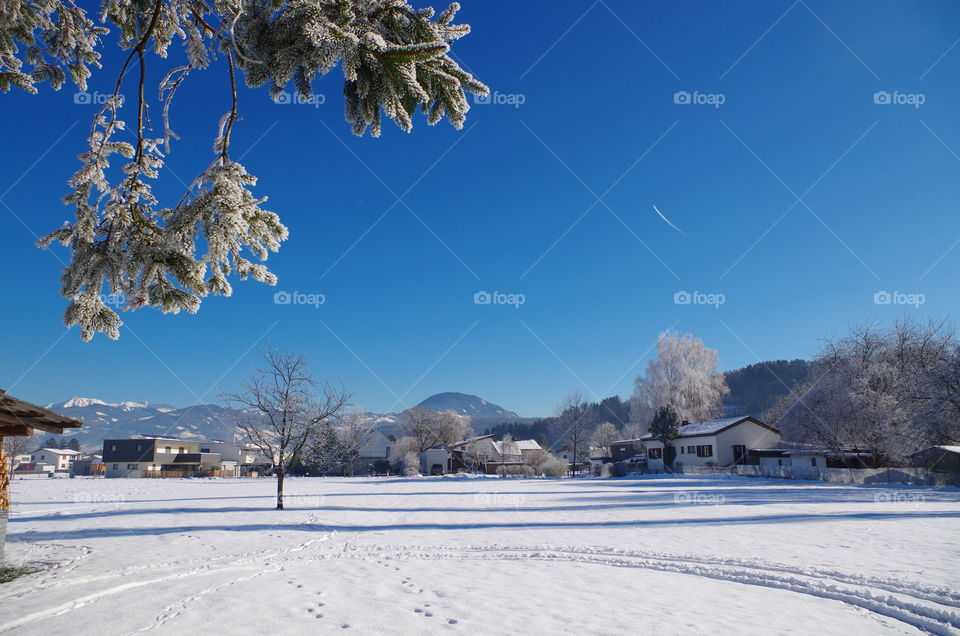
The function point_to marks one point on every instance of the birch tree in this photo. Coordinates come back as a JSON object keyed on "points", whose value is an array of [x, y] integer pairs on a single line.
{"points": [[280, 412], [123, 240], [685, 374]]}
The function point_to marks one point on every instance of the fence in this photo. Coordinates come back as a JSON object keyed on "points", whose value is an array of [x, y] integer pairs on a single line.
{"points": [[171, 474], [909, 476]]}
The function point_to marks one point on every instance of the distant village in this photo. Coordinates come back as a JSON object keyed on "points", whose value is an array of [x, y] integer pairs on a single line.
{"points": [[741, 445]]}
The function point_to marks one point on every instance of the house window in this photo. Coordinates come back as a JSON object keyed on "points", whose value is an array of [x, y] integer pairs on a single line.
{"points": [[181, 450], [705, 450], [681, 450], [167, 449], [131, 466], [655, 453], [691, 450], [113, 447], [813, 461], [116, 466], [139, 447]]}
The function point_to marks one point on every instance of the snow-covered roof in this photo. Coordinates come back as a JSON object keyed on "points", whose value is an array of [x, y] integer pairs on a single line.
{"points": [[948, 449], [470, 440], [519, 445], [710, 427], [60, 451]]}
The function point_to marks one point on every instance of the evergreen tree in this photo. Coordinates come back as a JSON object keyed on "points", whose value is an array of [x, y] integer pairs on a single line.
{"points": [[50, 442], [664, 428], [395, 61], [74, 444]]}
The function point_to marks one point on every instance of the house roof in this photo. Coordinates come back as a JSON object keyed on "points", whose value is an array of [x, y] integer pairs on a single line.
{"points": [[19, 418], [520, 445], [470, 440], [946, 449], [59, 451], [713, 427]]}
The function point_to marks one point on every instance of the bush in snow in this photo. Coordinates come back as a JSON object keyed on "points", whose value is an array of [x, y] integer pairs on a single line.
{"points": [[555, 467]]}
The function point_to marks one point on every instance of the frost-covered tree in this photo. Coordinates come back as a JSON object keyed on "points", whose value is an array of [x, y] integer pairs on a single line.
{"points": [[123, 240], [280, 412], [355, 429], [605, 434], [887, 391], [433, 428], [685, 374]]}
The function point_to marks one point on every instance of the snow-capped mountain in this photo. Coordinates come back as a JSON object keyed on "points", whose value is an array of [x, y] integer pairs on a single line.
{"points": [[119, 420], [105, 420]]}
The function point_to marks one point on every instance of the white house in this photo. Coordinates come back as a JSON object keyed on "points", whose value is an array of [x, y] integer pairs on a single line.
{"points": [[60, 458], [377, 447], [238, 457], [713, 443]]}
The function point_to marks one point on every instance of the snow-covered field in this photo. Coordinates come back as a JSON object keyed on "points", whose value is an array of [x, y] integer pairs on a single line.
{"points": [[690, 555]]}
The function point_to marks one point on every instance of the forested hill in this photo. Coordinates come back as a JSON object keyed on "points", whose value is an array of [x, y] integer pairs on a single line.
{"points": [[754, 389]]}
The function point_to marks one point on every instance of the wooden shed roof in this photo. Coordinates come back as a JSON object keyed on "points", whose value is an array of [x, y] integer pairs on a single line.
{"points": [[19, 418]]}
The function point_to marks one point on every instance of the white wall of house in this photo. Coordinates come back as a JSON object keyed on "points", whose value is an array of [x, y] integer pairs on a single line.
{"points": [[378, 447], [747, 434], [61, 459], [433, 456]]}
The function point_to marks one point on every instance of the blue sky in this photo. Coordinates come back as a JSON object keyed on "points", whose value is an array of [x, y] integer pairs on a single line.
{"points": [[799, 198]]}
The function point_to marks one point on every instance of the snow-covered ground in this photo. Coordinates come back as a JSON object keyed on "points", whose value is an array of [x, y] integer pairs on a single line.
{"points": [[689, 555]]}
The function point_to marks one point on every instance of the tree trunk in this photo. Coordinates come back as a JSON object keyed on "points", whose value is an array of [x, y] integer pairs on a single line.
{"points": [[280, 475], [4, 497]]}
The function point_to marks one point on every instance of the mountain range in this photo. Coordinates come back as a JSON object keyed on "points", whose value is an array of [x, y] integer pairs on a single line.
{"points": [[105, 420]]}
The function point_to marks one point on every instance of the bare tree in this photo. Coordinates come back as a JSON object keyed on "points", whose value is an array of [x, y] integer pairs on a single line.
{"points": [[355, 431], [19, 445], [477, 455], [572, 426], [889, 391], [685, 374], [279, 410], [433, 428]]}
